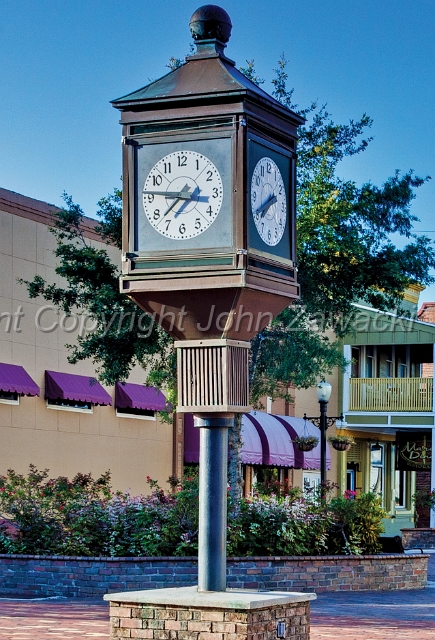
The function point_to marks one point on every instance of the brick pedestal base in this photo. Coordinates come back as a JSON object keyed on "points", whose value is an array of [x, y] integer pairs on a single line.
{"points": [[185, 614]]}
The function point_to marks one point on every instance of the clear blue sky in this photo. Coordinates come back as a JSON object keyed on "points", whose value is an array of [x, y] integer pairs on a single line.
{"points": [[62, 62]]}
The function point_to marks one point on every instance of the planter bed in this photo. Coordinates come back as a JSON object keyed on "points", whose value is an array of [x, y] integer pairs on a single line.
{"points": [[43, 576]]}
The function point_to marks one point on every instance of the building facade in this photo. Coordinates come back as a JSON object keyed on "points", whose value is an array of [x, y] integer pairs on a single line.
{"points": [[388, 402], [74, 424]]}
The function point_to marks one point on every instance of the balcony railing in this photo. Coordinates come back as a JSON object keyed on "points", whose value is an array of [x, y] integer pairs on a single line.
{"points": [[391, 394]]}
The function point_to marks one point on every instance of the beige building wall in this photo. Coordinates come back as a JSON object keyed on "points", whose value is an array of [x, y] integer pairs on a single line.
{"points": [[64, 441]]}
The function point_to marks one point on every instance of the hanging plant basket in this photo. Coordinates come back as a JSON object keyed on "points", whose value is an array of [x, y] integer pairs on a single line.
{"points": [[306, 443], [341, 443], [341, 446]]}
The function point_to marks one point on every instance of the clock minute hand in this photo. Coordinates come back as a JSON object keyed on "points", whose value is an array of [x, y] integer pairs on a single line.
{"points": [[266, 205], [184, 194]]}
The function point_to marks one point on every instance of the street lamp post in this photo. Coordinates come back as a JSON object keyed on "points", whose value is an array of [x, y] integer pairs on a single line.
{"points": [[323, 390]]}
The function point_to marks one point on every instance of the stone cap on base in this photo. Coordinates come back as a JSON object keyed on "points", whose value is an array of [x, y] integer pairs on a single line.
{"points": [[229, 599]]}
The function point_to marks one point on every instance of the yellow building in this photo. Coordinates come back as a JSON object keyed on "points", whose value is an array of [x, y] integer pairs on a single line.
{"points": [[66, 428]]}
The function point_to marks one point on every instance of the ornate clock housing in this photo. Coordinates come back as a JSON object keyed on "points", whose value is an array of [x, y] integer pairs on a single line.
{"points": [[209, 162]]}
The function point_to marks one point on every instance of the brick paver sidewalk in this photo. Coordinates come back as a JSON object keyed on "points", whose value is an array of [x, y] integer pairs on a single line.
{"points": [[49, 619], [365, 615], [374, 615]]}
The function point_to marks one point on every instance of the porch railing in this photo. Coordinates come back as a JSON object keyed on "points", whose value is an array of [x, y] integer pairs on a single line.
{"points": [[391, 394]]}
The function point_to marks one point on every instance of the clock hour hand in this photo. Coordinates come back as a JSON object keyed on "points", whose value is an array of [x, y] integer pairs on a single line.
{"points": [[264, 207], [184, 194], [171, 206]]}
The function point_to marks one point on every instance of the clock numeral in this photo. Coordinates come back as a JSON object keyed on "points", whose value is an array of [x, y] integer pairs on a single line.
{"points": [[209, 176], [168, 222], [197, 164], [282, 206], [257, 180], [276, 232], [156, 214], [210, 211], [269, 235], [182, 161], [150, 197], [254, 196], [215, 192], [167, 167], [280, 190], [269, 167], [197, 223], [157, 181], [262, 170], [182, 228]]}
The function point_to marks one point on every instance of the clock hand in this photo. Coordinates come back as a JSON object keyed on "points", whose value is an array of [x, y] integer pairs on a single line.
{"points": [[184, 194], [171, 206], [266, 205]]}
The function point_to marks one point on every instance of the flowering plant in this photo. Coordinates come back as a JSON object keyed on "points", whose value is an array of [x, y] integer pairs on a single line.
{"points": [[85, 516]]}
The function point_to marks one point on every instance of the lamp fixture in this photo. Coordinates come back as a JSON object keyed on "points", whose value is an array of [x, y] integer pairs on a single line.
{"points": [[323, 390]]}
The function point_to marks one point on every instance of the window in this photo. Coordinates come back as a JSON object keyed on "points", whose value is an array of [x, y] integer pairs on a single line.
{"points": [[355, 362], [377, 457], [350, 479], [70, 405], [389, 369], [9, 397], [370, 362], [400, 490], [143, 414], [402, 371], [311, 480]]}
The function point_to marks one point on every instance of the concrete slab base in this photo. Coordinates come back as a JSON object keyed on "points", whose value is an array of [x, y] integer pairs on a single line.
{"points": [[186, 614]]}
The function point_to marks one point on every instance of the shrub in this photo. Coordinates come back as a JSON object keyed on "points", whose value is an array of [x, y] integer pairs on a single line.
{"points": [[357, 523], [85, 517]]}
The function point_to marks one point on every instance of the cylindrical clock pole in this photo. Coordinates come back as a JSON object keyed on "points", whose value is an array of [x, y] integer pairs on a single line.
{"points": [[213, 479]]}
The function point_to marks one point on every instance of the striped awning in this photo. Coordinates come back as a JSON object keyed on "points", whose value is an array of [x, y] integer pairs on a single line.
{"points": [[267, 441]]}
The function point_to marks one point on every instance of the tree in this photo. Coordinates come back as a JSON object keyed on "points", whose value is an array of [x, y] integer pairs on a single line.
{"points": [[122, 336], [345, 255]]}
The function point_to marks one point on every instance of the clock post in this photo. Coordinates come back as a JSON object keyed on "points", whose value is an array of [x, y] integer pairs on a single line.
{"points": [[209, 168]]}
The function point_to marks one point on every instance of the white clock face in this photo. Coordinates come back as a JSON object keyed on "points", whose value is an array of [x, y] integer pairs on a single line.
{"points": [[268, 201], [182, 195]]}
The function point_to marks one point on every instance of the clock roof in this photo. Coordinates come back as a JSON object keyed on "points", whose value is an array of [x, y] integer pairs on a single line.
{"points": [[209, 75]]}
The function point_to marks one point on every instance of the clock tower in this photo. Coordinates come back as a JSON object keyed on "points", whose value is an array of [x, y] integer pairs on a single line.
{"points": [[209, 199], [209, 180]]}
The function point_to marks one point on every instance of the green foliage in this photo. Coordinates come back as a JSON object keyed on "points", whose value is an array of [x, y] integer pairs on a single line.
{"points": [[85, 517], [357, 523], [277, 526], [54, 516], [339, 437], [250, 73], [424, 499]]}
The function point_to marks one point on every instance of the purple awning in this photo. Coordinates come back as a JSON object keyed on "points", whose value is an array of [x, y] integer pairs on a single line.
{"points": [[70, 386], [311, 459], [14, 379], [137, 396], [266, 440]]}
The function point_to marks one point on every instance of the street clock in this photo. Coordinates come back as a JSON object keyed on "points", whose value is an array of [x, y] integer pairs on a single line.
{"points": [[209, 192]]}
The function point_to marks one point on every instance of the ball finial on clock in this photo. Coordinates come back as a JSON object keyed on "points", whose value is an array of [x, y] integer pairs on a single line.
{"points": [[210, 22]]}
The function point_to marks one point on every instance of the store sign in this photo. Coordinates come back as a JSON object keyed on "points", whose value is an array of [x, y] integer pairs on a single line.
{"points": [[413, 450]]}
